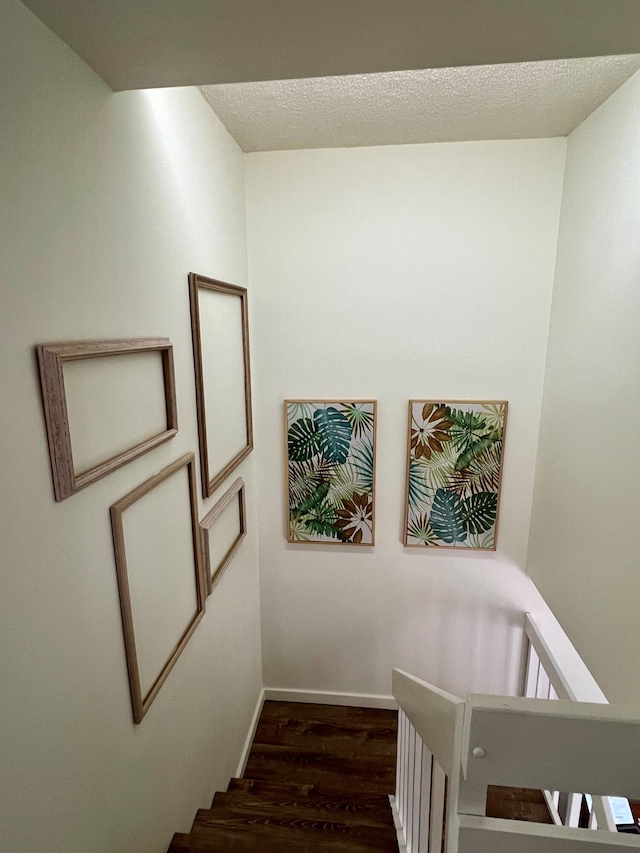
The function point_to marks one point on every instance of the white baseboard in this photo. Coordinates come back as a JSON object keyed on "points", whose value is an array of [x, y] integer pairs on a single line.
{"points": [[246, 749], [319, 697]]}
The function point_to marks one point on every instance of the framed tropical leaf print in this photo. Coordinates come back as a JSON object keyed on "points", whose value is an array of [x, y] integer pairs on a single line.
{"points": [[454, 473], [330, 453]]}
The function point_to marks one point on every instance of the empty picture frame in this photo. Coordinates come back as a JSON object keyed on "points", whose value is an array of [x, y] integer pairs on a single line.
{"points": [[220, 333], [221, 531], [330, 451], [100, 411], [160, 580], [454, 473]]}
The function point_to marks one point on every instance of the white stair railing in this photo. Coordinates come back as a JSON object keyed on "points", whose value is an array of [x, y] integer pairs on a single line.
{"points": [[545, 679], [451, 751], [428, 771]]}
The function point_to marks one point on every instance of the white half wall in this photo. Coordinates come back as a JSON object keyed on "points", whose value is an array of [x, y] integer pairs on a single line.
{"points": [[419, 271], [107, 202], [585, 536]]}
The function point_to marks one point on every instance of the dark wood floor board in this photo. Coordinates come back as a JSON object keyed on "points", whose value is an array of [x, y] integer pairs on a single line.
{"points": [[274, 841], [317, 781], [370, 812], [355, 773], [258, 786], [341, 715], [296, 835], [517, 804], [331, 737]]}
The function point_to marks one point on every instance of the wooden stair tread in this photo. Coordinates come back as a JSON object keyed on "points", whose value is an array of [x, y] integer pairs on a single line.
{"points": [[317, 781], [260, 786], [271, 836], [327, 772], [517, 804], [367, 812], [340, 730]]}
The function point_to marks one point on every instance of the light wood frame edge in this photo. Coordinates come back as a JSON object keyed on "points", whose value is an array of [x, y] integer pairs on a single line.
{"points": [[406, 485], [51, 358], [196, 281], [286, 477], [236, 489], [140, 703]]}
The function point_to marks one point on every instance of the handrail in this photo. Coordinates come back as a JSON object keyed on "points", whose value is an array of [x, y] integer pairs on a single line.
{"points": [[583, 688]]}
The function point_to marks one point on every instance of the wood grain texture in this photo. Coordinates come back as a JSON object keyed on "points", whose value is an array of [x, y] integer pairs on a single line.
{"points": [[317, 781], [51, 359], [406, 488], [213, 574], [303, 802], [212, 479], [526, 804], [140, 703], [286, 477]]}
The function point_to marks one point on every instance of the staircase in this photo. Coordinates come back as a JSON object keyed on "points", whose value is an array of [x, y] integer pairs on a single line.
{"points": [[318, 779]]}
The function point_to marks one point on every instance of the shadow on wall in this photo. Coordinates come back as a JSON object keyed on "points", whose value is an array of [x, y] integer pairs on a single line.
{"points": [[458, 626]]}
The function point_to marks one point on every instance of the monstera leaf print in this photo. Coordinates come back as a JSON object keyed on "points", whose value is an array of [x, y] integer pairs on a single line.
{"points": [[330, 468], [303, 440], [478, 513], [445, 517], [334, 434], [454, 470]]}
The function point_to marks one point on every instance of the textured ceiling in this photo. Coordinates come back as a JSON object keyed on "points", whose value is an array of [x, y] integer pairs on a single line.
{"points": [[524, 100], [135, 44]]}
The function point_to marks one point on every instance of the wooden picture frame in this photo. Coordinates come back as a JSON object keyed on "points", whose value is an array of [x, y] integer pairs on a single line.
{"points": [[51, 360], [141, 703], [213, 575], [324, 507], [453, 484], [212, 479]]}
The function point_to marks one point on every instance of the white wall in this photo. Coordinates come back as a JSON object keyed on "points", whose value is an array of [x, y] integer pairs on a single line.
{"points": [[585, 536], [107, 202], [398, 272]]}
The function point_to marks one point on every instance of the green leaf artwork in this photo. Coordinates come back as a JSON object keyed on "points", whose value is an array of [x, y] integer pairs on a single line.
{"points": [[331, 471], [454, 469]]}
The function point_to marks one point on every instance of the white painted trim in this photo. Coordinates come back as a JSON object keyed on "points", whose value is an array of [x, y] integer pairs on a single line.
{"points": [[246, 749], [553, 809], [319, 697], [402, 844]]}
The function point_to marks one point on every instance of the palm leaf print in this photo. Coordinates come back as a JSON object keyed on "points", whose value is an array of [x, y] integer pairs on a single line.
{"points": [[420, 529], [361, 419], [454, 473], [363, 463], [330, 471]]}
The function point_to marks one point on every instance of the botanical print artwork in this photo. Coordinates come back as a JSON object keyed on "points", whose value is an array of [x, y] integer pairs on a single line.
{"points": [[454, 473], [330, 471]]}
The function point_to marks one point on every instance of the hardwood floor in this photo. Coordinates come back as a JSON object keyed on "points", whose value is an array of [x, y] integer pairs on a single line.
{"points": [[317, 781]]}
